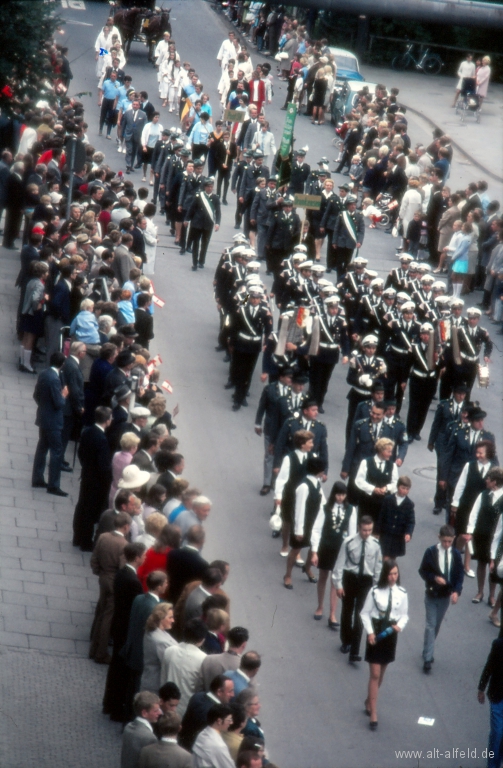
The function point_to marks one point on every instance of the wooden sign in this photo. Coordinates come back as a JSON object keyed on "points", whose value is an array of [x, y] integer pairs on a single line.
{"points": [[234, 115], [312, 202]]}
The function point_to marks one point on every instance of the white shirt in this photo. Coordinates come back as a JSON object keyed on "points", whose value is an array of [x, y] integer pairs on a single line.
{"points": [[145, 722], [472, 521], [211, 751], [498, 531], [284, 474], [474, 436], [301, 495], [362, 483], [461, 484], [338, 513], [349, 559], [181, 664], [376, 605], [466, 69]]}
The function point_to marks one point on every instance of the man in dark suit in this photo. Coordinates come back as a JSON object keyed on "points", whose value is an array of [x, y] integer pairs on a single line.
{"points": [[442, 571], [268, 408], [195, 718], [120, 415], [361, 445], [126, 587], [50, 397], [306, 420], [204, 217], [132, 650], [472, 200], [283, 234], [300, 173], [493, 674], [14, 205], [139, 733], [132, 124], [74, 404], [144, 457], [66, 72], [146, 106], [447, 412], [186, 564], [96, 462], [144, 321], [348, 234], [119, 375], [58, 309], [166, 752], [171, 466]]}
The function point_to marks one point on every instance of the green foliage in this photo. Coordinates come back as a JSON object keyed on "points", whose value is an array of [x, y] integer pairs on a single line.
{"points": [[25, 28]]}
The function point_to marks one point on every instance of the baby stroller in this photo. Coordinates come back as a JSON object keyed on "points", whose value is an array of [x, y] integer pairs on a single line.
{"points": [[468, 101], [387, 210]]}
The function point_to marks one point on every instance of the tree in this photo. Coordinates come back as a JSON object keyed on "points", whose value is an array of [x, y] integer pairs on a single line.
{"points": [[26, 30]]}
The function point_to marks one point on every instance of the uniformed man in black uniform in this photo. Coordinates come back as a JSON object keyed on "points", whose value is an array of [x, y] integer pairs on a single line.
{"points": [[472, 337], [424, 298], [300, 173], [398, 278], [399, 430], [204, 217], [334, 206], [249, 327], [173, 164], [348, 234], [364, 369], [237, 174], [422, 382], [191, 184], [361, 445], [448, 411], [289, 269], [334, 339], [248, 184], [268, 412], [363, 409], [262, 210], [161, 149], [398, 355], [370, 314], [350, 284], [283, 234]]}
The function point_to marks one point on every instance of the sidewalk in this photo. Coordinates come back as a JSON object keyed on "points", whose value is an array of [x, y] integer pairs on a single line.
{"points": [[47, 590]]}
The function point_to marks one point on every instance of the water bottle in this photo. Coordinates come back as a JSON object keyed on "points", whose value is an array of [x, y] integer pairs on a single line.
{"points": [[386, 633]]}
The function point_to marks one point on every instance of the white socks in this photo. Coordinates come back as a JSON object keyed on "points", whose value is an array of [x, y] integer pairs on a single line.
{"points": [[27, 358]]}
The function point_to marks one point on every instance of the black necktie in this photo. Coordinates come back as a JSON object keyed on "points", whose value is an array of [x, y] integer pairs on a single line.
{"points": [[362, 559], [446, 566]]}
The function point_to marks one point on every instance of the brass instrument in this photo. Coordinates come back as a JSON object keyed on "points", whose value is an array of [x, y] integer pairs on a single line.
{"points": [[483, 376]]}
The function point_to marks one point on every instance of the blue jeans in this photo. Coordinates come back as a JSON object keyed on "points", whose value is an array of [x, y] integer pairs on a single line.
{"points": [[436, 608], [49, 441], [496, 735]]}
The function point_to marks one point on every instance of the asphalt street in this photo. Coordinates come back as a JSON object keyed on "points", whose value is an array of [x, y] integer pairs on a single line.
{"points": [[312, 700]]}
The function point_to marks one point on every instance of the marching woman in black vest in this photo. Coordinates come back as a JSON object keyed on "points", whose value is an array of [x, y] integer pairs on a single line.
{"points": [[383, 616], [481, 528], [308, 515], [339, 524], [376, 477], [471, 483], [292, 472]]}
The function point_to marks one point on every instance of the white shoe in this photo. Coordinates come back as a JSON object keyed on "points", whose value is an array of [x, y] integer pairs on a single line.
{"points": [[283, 554], [300, 562], [470, 574]]}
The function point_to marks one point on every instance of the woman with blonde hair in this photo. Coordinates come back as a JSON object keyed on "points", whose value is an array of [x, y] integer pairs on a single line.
{"points": [[153, 527], [157, 407], [318, 97], [411, 202], [376, 477], [129, 443], [155, 641], [482, 78], [156, 558]]}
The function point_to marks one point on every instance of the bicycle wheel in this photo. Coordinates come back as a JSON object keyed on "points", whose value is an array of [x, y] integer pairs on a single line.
{"points": [[400, 62], [432, 65]]}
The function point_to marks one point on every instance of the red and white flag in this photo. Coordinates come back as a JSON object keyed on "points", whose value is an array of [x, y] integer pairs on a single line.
{"points": [[158, 302], [167, 386]]}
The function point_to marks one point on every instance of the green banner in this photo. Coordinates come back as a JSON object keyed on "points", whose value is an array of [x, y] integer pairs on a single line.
{"points": [[286, 141], [312, 202]]}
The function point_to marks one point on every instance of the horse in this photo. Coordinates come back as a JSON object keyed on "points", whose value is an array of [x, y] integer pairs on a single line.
{"points": [[126, 21], [157, 25]]}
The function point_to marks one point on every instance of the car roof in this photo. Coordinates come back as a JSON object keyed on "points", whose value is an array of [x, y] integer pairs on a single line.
{"points": [[341, 52]]}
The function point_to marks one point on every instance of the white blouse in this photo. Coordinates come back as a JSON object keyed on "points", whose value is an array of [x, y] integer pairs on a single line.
{"points": [[376, 606]]}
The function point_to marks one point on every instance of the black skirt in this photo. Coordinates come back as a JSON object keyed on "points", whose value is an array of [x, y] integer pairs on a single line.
{"points": [[146, 155], [461, 521], [391, 545], [33, 323], [328, 552], [382, 652], [482, 548]]}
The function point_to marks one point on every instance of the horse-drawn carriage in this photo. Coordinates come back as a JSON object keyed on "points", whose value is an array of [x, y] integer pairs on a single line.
{"points": [[141, 25]]}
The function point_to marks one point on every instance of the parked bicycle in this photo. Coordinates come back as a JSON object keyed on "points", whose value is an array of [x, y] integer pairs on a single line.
{"points": [[427, 62]]}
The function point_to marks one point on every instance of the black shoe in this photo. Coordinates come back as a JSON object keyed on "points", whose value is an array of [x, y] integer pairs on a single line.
{"points": [[265, 490], [172, 232], [333, 625], [373, 725], [245, 403], [437, 510], [219, 348], [66, 468], [283, 108], [194, 269], [236, 406], [345, 648], [321, 409], [237, 226], [229, 385], [182, 251], [312, 579], [427, 667], [57, 492], [224, 202], [128, 170], [41, 484], [275, 534], [353, 657], [227, 358], [201, 266], [417, 437]]}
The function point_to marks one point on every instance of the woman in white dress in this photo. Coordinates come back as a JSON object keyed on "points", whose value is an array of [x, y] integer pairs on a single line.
{"points": [[103, 42], [155, 642], [384, 615], [482, 76], [149, 230], [411, 202], [466, 69]]}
